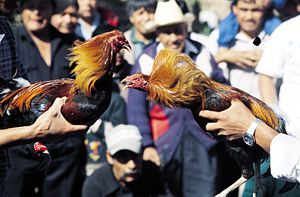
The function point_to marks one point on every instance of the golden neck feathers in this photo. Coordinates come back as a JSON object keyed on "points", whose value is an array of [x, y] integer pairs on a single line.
{"points": [[93, 60]]}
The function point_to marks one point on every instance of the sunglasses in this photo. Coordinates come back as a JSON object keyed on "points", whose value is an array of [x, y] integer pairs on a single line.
{"points": [[124, 156]]}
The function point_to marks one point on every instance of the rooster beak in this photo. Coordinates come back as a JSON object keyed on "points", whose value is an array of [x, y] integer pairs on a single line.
{"points": [[125, 82], [127, 46]]}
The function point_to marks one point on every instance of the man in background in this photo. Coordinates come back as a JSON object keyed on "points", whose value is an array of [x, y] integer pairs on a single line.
{"points": [[125, 174]]}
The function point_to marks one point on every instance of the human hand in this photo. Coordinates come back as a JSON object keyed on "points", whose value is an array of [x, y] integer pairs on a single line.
{"points": [[52, 122], [232, 122], [151, 154]]}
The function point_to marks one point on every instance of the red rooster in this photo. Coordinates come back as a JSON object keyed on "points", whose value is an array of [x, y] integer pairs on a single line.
{"points": [[176, 82], [88, 95]]}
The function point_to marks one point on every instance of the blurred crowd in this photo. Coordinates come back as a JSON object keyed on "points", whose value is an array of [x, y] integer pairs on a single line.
{"points": [[140, 148]]}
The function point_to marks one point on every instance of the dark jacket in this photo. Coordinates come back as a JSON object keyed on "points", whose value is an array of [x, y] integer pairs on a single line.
{"points": [[102, 183]]}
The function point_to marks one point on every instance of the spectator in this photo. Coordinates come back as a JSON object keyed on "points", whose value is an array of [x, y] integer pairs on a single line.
{"points": [[171, 137], [125, 174], [267, 75], [10, 66], [43, 51], [65, 17], [141, 16], [251, 18], [240, 54], [280, 59], [93, 18], [288, 9], [229, 27]]}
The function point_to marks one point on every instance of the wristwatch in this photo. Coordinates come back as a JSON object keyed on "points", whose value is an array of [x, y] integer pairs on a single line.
{"points": [[248, 137]]}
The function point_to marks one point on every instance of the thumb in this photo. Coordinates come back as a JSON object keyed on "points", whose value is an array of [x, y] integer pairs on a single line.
{"points": [[78, 127], [59, 102]]}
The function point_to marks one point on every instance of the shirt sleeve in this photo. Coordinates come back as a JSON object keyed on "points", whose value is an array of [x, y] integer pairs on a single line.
{"points": [[273, 61], [285, 157]]}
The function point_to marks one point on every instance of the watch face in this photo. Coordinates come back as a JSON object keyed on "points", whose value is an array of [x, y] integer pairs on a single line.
{"points": [[248, 139]]}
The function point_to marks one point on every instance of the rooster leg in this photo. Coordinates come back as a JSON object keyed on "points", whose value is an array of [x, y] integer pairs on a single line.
{"points": [[232, 187]]}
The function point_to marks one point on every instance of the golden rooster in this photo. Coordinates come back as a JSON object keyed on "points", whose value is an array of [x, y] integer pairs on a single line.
{"points": [[175, 81], [88, 95]]}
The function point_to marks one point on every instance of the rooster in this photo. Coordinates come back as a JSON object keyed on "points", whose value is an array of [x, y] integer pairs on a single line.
{"points": [[175, 81], [88, 95]]}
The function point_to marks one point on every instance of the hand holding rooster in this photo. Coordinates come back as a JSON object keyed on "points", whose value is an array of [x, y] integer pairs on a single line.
{"points": [[234, 121], [87, 96], [51, 122]]}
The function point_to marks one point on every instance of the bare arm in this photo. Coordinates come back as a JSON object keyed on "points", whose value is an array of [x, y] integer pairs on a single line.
{"points": [[267, 89], [239, 58], [49, 123], [234, 122]]}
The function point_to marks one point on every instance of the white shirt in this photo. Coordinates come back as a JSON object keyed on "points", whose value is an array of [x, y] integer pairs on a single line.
{"points": [[245, 79], [285, 157], [81, 31], [281, 58]]}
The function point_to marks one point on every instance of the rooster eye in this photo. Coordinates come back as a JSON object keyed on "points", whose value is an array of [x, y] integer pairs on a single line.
{"points": [[174, 83]]}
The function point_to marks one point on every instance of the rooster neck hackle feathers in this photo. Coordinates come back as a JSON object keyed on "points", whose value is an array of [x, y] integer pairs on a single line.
{"points": [[93, 60], [175, 81]]}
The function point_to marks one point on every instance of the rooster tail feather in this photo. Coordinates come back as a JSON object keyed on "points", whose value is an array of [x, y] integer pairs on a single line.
{"points": [[22, 97], [6, 88], [281, 118], [263, 112]]}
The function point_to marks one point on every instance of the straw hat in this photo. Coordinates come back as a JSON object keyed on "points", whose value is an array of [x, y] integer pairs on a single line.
{"points": [[168, 13]]}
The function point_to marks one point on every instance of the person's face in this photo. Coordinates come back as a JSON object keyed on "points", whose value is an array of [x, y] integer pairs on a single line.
{"points": [[86, 8], [66, 21], [173, 36], [125, 165], [8, 6], [36, 14], [141, 18], [250, 16]]}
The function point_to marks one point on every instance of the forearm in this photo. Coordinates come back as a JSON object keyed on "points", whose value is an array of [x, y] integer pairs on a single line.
{"points": [[264, 136], [267, 89], [222, 55], [16, 134]]}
